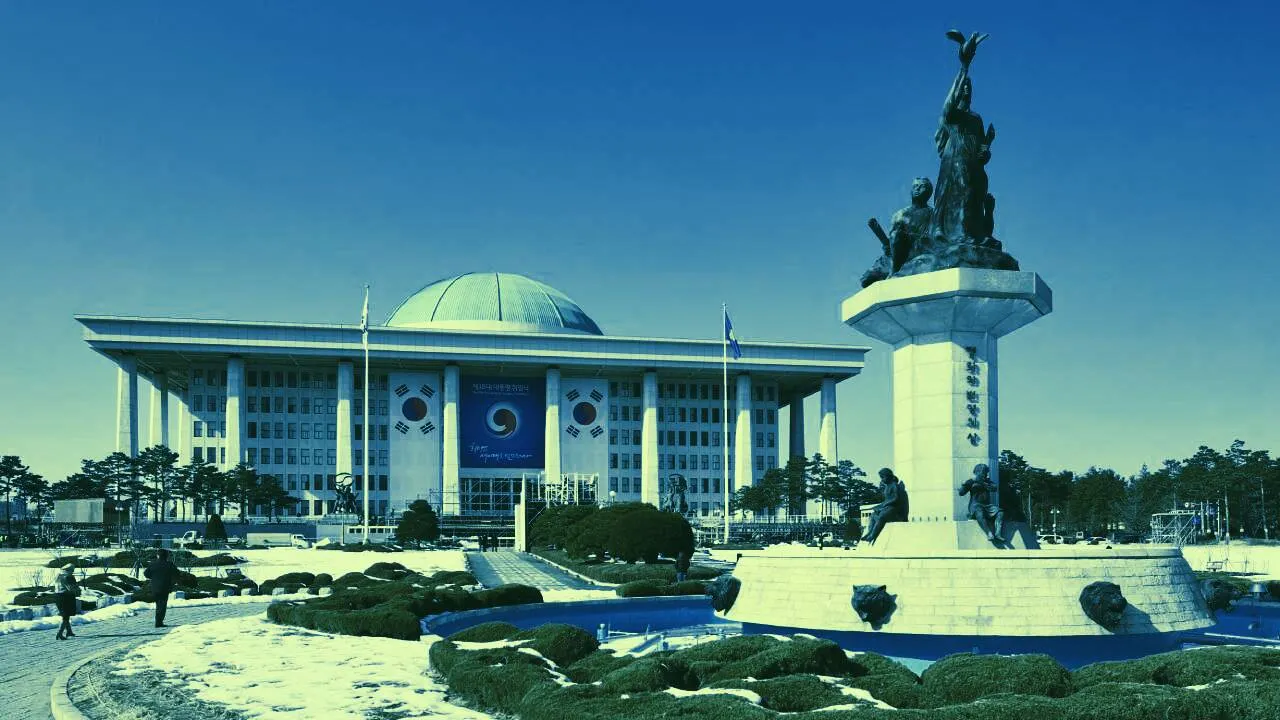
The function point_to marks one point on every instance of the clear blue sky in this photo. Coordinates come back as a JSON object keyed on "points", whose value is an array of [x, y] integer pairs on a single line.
{"points": [[652, 160]]}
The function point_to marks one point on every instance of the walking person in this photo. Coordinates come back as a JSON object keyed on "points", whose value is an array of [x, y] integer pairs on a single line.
{"points": [[162, 573], [67, 590]]}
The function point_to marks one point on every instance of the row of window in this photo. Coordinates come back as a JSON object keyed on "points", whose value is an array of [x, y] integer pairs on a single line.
{"points": [[690, 391], [681, 438], [303, 379], [319, 482], [308, 456], [696, 485]]}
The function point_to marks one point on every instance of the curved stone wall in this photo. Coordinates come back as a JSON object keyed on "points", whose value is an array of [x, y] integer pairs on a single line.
{"points": [[973, 593]]}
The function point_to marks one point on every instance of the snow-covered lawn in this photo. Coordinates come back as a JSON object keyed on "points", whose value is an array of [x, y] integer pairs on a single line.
{"points": [[276, 672], [118, 611]]}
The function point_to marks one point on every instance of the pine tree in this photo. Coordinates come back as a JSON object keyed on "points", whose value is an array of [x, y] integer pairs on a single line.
{"points": [[418, 524]]}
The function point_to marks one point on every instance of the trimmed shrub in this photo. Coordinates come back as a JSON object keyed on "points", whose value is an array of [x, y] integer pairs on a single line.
{"points": [[485, 632], [88, 561], [730, 649], [595, 666], [793, 693], [642, 588], [1140, 701], [896, 689], [869, 663], [296, 578], [1252, 700], [110, 583], [387, 570], [559, 643], [509, 594], [322, 579], [1182, 668], [497, 688], [965, 677], [450, 577], [801, 655], [35, 598], [553, 525], [651, 673], [645, 533]]}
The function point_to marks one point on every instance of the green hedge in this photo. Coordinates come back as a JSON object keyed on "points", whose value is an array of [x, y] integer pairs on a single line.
{"points": [[485, 632], [390, 608], [595, 666], [800, 655], [561, 644], [966, 677], [659, 588], [649, 674], [792, 693], [616, 572], [1182, 668]]}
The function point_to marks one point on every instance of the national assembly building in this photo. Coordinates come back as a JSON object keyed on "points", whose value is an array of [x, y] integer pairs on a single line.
{"points": [[476, 383]]}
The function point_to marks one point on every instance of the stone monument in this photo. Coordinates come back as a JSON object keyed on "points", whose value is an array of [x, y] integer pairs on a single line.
{"points": [[958, 573]]}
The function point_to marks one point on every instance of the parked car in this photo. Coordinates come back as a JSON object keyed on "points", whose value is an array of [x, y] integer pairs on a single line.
{"points": [[187, 539], [1050, 539]]}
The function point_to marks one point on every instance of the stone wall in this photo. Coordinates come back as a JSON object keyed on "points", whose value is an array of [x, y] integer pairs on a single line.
{"points": [[972, 593]]}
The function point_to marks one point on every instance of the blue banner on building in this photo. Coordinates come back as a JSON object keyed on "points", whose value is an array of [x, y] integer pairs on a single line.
{"points": [[503, 422]]}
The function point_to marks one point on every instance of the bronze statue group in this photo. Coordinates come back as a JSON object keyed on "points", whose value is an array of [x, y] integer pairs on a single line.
{"points": [[984, 507]]}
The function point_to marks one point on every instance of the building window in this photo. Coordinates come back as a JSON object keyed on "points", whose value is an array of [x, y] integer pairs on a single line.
{"points": [[197, 429], [382, 432], [759, 462], [266, 456], [306, 431], [279, 378], [635, 461], [293, 380], [626, 461], [684, 417], [706, 464], [332, 432], [293, 431], [266, 404], [715, 415], [680, 390], [681, 438], [772, 417], [251, 429], [769, 392], [279, 431], [626, 484], [279, 402], [196, 455], [661, 462], [715, 462], [359, 431], [759, 440], [715, 392], [293, 405], [684, 463], [635, 437], [671, 437], [705, 414], [306, 457], [715, 439], [626, 438], [382, 458], [693, 438], [197, 376], [318, 456], [251, 456], [613, 460], [332, 457], [613, 484], [251, 378], [222, 455], [705, 436], [626, 412], [770, 439], [382, 482], [280, 455], [251, 404], [613, 389], [759, 417]]}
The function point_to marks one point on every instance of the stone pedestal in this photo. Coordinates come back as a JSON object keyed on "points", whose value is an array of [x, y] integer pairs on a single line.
{"points": [[943, 327]]}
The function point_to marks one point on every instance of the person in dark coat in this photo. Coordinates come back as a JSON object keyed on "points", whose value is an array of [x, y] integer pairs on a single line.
{"points": [[163, 574], [682, 566], [67, 590]]}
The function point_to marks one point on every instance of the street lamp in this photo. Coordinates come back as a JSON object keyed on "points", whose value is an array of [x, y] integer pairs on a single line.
{"points": [[1054, 512], [613, 496]]}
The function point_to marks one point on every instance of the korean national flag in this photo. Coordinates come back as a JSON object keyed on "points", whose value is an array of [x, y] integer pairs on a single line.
{"points": [[731, 338]]}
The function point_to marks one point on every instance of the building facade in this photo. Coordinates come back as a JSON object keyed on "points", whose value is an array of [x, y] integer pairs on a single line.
{"points": [[476, 383]]}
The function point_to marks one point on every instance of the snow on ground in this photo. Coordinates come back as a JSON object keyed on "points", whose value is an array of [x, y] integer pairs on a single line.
{"points": [[570, 595], [274, 672], [118, 611]]}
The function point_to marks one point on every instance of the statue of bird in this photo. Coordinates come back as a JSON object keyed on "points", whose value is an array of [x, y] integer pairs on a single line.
{"points": [[968, 47]]}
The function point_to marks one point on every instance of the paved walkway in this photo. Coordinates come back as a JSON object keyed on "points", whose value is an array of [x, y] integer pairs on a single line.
{"points": [[29, 660], [508, 566]]}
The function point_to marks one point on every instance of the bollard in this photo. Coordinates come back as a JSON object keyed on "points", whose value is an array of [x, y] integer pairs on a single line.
{"points": [[26, 613], [179, 595], [326, 590], [278, 591]]}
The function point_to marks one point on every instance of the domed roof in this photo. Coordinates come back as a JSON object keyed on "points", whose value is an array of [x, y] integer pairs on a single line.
{"points": [[492, 302]]}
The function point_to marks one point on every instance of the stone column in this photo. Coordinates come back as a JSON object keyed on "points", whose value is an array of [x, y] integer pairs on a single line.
{"points": [[797, 426], [827, 430], [744, 468], [346, 392], [184, 428], [551, 464], [127, 406], [944, 327], [235, 413], [649, 441], [449, 501], [159, 410]]}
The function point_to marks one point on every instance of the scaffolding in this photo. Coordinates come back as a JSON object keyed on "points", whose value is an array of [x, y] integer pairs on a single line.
{"points": [[571, 489], [1175, 528]]}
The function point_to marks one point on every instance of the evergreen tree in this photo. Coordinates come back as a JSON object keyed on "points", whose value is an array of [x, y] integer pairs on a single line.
{"points": [[214, 530], [418, 524], [11, 473]]}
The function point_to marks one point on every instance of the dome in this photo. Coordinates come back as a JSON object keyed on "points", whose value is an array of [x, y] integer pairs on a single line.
{"points": [[492, 302]]}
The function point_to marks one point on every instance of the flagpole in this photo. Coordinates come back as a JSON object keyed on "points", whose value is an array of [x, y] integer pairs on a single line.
{"points": [[364, 340], [724, 417]]}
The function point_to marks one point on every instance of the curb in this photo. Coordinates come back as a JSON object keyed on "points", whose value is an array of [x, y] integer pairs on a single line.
{"points": [[60, 705], [567, 571]]}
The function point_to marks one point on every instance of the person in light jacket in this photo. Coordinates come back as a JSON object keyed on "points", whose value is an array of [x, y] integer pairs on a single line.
{"points": [[67, 590]]}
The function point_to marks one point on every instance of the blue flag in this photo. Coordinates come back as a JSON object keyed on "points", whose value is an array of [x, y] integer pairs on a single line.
{"points": [[731, 338]]}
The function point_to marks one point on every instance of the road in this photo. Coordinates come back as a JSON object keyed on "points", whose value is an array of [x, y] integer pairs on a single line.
{"points": [[29, 660]]}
